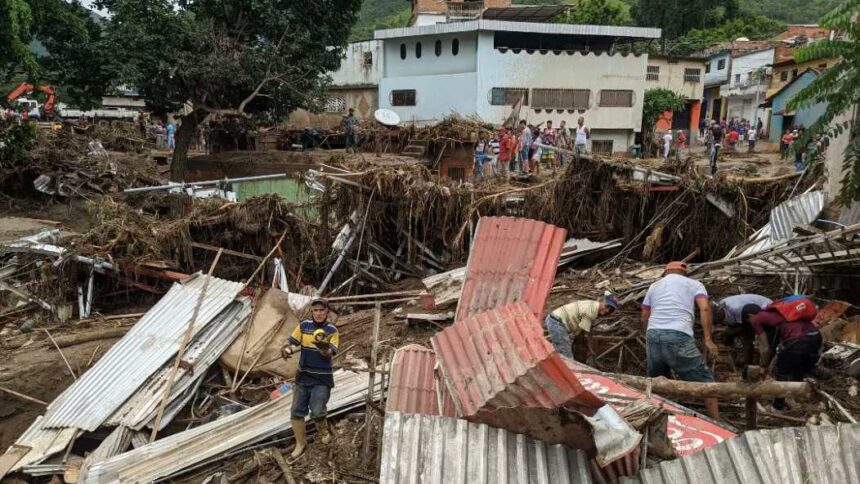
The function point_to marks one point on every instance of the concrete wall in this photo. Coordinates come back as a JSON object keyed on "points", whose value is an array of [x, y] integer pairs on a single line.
{"points": [[805, 116], [743, 65], [354, 70], [671, 76], [717, 76], [364, 100], [835, 155], [437, 96], [561, 71], [430, 63]]}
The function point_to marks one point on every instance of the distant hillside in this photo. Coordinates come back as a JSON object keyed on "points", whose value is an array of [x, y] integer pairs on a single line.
{"points": [[377, 14]]}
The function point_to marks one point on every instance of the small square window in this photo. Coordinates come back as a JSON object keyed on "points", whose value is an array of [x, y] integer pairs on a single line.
{"points": [[601, 146], [653, 73], [403, 97], [721, 64], [692, 75], [783, 76]]}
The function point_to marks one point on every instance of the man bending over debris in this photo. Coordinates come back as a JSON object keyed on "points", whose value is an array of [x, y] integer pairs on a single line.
{"points": [[568, 321], [735, 312], [667, 314], [799, 340], [318, 341]]}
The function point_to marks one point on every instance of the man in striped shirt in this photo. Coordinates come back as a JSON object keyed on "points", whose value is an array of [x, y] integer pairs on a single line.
{"points": [[318, 341], [572, 319]]}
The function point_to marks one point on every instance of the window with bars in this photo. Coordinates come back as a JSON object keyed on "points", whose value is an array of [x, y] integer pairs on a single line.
{"points": [[335, 105], [616, 98], [601, 146], [456, 173], [653, 73], [692, 75], [507, 96], [708, 68], [403, 97], [561, 99], [721, 64]]}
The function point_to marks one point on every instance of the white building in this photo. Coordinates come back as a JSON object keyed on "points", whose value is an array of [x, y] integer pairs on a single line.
{"points": [[748, 82], [354, 85], [482, 67]]}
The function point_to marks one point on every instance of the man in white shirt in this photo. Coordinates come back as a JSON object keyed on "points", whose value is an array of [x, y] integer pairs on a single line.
{"points": [[667, 314], [667, 144], [581, 137]]}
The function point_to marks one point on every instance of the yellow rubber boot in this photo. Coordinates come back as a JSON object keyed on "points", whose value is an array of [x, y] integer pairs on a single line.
{"points": [[325, 434], [301, 439]]}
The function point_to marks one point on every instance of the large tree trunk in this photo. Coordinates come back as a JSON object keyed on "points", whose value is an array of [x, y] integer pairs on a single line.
{"points": [[760, 390], [186, 132]]}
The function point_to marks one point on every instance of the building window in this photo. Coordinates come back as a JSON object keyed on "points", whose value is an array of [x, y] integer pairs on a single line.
{"points": [[368, 58], [507, 96], [692, 75], [457, 173], [438, 48], [335, 105], [561, 98], [793, 73], [417, 50], [403, 97], [616, 98], [455, 46], [601, 146], [653, 73], [721, 64], [783, 76], [402, 51], [737, 78], [707, 68]]}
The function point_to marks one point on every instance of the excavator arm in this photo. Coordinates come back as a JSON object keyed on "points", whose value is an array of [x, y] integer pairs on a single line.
{"points": [[26, 87]]}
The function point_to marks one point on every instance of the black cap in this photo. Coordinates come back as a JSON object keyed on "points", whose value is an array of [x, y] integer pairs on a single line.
{"points": [[320, 301]]}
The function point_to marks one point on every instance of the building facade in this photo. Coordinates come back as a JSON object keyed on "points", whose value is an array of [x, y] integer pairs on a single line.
{"points": [[749, 80], [683, 75], [782, 117], [354, 85], [483, 67]]}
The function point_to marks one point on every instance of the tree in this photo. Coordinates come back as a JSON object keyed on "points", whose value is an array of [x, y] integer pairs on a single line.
{"points": [[839, 88], [754, 27], [656, 102], [677, 17], [597, 12], [16, 20]]}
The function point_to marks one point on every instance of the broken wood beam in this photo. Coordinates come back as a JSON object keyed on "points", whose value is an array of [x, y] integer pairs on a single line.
{"points": [[212, 248], [728, 390]]}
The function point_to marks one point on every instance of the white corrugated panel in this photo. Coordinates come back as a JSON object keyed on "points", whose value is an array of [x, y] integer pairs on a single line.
{"points": [[140, 353], [419, 449], [201, 353], [800, 210], [173, 454], [792, 455], [43, 443]]}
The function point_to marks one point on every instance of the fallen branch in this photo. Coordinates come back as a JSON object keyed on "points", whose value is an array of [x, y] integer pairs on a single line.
{"points": [[760, 390], [21, 395], [76, 339]]}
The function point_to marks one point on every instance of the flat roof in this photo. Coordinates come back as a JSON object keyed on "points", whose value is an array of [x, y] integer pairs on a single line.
{"points": [[522, 27]]}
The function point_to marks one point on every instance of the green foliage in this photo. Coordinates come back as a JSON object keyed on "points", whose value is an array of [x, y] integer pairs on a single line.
{"points": [[792, 11], [365, 30], [16, 141], [16, 21], [753, 27], [839, 87], [597, 12], [656, 102]]}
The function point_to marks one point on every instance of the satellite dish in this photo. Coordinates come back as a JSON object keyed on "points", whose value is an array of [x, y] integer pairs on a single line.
{"points": [[387, 117]]}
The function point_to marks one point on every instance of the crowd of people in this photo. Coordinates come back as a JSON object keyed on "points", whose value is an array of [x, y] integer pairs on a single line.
{"points": [[789, 344], [524, 149]]}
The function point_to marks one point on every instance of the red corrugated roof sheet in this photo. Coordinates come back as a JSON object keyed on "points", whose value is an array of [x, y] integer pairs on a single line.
{"points": [[512, 259], [500, 358], [413, 385]]}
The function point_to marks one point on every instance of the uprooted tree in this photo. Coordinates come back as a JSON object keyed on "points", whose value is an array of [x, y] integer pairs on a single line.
{"points": [[250, 59]]}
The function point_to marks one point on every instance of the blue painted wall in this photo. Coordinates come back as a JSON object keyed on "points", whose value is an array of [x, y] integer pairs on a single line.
{"points": [[805, 116]]}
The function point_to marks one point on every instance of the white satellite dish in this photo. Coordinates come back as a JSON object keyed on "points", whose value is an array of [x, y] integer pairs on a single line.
{"points": [[387, 117]]}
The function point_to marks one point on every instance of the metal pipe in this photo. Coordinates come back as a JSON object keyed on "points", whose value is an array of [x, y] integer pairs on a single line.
{"points": [[222, 181]]}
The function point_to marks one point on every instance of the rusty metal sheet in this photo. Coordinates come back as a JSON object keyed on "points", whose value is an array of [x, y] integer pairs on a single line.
{"points": [[512, 259], [414, 386]]}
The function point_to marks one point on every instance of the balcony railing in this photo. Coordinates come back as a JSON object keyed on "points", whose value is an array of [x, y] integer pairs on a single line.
{"points": [[463, 11]]}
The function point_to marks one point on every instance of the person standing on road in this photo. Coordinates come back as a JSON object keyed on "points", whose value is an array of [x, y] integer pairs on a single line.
{"points": [[525, 142], [568, 321], [751, 137], [171, 136], [580, 141], [349, 125], [667, 315], [667, 144], [563, 141], [318, 341], [716, 142]]}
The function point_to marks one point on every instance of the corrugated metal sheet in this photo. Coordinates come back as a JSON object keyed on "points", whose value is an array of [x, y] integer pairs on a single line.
{"points": [[140, 353], [802, 209], [114, 444], [500, 370], [201, 353], [512, 259], [173, 454], [414, 386], [422, 449], [523, 27], [43, 443], [794, 455], [850, 215]]}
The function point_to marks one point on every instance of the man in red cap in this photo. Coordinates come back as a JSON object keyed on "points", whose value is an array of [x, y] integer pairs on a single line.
{"points": [[667, 314]]}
